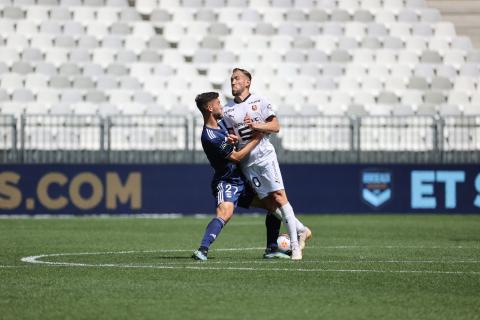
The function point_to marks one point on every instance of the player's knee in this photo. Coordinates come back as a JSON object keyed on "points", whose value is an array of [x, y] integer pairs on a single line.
{"points": [[225, 211], [280, 198], [269, 204]]}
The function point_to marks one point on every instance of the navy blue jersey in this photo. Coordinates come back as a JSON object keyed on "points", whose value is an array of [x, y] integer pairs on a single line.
{"points": [[217, 150]]}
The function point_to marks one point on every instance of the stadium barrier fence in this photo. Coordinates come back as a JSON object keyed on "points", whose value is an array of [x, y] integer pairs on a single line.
{"points": [[176, 139]]}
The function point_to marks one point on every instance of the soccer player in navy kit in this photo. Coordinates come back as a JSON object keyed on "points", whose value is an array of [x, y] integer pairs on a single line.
{"points": [[228, 184]]}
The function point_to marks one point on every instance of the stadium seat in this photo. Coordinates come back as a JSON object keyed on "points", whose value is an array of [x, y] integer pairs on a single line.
{"points": [[71, 96], [126, 56], [120, 28], [454, 57], [363, 98], [418, 83], [403, 110], [395, 84], [441, 83], [473, 56], [458, 98], [394, 43], [434, 97], [416, 43], [21, 67], [413, 98], [28, 54], [22, 95], [446, 71], [129, 14], [69, 69], [118, 97], [387, 98], [83, 82], [158, 42], [426, 109], [116, 69], [372, 84], [143, 98], [445, 29], [48, 97], [107, 109], [318, 15], [449, 110], [45, 68], [410, 58], [85, 108], [340, 15], [92, 69], [467, 84], [380, 110], [401, 70], [357, 110], [113, 42], [422, 30], [36, 81], [407, 15], [439, 44], [462, 43], [333, 29], [424, 70]]}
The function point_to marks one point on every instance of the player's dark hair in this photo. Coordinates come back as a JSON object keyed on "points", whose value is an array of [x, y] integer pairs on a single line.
{"points": [[203, 99], [245, 72]]}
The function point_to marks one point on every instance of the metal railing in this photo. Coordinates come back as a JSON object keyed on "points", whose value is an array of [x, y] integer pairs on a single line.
{"points": [[176, 139]]}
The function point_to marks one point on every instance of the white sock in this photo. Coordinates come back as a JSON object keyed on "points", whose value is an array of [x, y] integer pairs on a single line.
{"points": [[300, 226], [289, 220]]}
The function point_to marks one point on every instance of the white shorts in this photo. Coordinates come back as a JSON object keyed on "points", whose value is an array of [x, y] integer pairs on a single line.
{"points": [[264, 178]]}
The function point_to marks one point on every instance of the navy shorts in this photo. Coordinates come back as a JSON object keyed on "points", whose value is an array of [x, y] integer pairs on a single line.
{"points": [[240, 194]]}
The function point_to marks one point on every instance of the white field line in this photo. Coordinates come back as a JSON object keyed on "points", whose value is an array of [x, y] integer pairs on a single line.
{"points": [[199, 267], [7, 267], [204, 266]]}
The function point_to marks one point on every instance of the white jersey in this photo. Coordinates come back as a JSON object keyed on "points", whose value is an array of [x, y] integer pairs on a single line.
{"points": [[259, 109]]}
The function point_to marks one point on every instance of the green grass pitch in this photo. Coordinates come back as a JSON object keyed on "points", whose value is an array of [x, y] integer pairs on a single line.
{"points": [[355, 267]]}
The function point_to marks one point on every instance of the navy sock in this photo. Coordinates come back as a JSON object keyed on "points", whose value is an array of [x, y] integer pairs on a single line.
{"points": [[273, 229], [211, 232]]}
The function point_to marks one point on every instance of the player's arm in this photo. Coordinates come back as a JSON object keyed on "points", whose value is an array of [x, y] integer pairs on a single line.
{"points": [[237, 156], [271, 124]]}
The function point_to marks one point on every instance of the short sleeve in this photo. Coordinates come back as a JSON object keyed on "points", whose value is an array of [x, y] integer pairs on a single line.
{"points": [[267, 109]]}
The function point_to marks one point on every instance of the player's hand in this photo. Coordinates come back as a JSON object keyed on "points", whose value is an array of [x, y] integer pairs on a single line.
{"points": [[248, 121], [232, 139], [257, 135]]}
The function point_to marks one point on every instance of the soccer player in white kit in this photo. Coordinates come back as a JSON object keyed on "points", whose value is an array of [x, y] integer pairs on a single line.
{"points": [[244, 115]]}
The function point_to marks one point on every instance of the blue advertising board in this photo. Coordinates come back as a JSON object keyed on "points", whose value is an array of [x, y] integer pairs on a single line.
{"points": [[312, 188]]}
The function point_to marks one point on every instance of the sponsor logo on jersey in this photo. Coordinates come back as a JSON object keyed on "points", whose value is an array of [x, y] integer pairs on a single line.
{"points": [[254, 107], [253, 102], [376, 187]]}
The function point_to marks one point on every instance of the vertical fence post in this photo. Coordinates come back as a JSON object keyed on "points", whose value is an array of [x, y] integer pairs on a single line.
{"points": [[356, 122], [14, 139], [22, 138], [107, 142], [439, 125]]}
